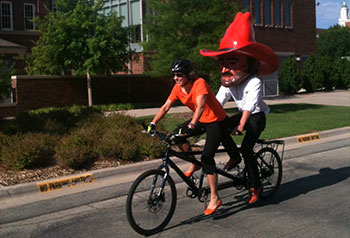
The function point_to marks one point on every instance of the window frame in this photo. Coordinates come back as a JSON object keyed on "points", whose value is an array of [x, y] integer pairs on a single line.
{"points": [[247, 5], [288, 13], [32, 20], [257, 9], [268, 13], [1, 17], [280, 13]]}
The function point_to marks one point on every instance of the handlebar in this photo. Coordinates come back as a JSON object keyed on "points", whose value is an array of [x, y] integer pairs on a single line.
{"points": [[169, 138]]}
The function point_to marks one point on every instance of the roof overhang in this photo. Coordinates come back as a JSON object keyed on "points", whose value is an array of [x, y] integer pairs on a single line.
{"points": [[7, 47]]}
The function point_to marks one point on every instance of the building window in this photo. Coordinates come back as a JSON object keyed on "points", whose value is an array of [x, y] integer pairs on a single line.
{"points": [[246, 5], [268, 14], [29, 17], [53, 6], [135, 11], [6, 15], [257, 11], [277, 13], [287, 13], [130, 10]]}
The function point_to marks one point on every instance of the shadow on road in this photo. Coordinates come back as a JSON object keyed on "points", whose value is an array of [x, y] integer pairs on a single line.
{"points": [[325, 177]]}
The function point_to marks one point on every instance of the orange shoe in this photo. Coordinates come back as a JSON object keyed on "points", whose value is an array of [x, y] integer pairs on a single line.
{"points": [[189, 173], [210, 211], [254, 194]]}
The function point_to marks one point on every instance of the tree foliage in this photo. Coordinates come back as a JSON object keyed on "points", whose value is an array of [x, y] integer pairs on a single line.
{"points": [[311, 76], [77, 39], [323, 72], [288, 77], [180, 28], [5, 77], [334, 42], [342, 77]]}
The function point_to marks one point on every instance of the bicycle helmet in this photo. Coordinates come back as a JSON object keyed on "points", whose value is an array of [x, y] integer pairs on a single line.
{"points": [[182, 66]]}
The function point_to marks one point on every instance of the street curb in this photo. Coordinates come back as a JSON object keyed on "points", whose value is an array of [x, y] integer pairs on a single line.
{"points": [[21, 189]]}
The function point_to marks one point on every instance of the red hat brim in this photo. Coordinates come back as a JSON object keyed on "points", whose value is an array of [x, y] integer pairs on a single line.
{"points": [[266, 56]]}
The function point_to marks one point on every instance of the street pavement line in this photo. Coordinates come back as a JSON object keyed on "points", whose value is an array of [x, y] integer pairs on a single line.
{"points": [[68, 182]]}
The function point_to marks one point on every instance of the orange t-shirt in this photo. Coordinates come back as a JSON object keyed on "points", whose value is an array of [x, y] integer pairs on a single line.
{"points": [[213, 110]]}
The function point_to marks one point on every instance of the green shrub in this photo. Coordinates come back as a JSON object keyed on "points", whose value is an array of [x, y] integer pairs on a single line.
{"points": [[326, 66], [28, 151], [312, 77], [76, 150], [288, 77], [342, 73], [150, 146], [6, 70], [3, 143], [119, 137], [118, 143]]}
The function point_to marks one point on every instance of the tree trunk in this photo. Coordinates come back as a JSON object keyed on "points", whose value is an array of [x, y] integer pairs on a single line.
{"points": [[89, 88]]}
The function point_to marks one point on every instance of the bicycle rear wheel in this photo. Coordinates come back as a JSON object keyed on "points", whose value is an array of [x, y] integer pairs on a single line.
{"points": [[151, 202], [270, 171]]}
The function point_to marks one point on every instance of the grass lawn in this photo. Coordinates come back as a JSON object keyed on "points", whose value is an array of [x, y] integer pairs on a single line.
{"points": [[283, 120]]}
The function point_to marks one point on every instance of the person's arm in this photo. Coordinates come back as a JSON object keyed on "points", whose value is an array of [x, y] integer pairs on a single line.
{"points": [[223, 95], [200, 104], [162, 111], [242, 122]]}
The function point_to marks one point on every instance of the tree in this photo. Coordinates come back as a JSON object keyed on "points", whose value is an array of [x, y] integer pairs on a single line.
{"points": [[180, 28], [341, 75], [5, 77], [311, 76], [334, 42], [79, 40], [288, 77]]}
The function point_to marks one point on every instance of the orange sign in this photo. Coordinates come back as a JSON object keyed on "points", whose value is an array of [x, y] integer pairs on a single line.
{"points": [[65, 183], [308, 138]]}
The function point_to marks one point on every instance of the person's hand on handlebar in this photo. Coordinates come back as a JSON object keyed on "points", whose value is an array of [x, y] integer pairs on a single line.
{"points": [[236, 131], [151, 129], [187, 131]]}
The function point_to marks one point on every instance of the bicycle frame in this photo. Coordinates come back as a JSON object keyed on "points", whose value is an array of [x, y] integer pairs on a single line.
{"points": [[234, 180], [185, 156]]}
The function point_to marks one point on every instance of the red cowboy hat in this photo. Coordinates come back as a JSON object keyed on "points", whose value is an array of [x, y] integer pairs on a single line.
{"points": [[239, 39]]}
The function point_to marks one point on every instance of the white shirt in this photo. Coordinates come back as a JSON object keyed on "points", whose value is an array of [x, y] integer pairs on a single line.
{"points": [[247, 96]]}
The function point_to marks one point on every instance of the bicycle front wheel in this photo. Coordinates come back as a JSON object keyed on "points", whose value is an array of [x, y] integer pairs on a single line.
{"points": [[151, 202], [270, 171]]}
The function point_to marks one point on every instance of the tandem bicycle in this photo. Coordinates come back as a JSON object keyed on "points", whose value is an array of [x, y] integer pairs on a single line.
{"points": [[152, 198]]}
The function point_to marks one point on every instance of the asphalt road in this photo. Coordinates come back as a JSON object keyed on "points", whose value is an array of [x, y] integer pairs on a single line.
{"points": [[311, 202]]}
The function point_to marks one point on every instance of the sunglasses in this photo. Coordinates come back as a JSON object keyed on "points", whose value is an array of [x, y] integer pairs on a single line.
{"points": [[178, 75]]}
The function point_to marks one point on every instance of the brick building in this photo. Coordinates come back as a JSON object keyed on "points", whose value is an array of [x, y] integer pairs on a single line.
{"points": [[287, 26], [17, 27]]}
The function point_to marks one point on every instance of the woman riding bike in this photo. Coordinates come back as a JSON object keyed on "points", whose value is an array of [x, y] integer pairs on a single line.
{"points": [[208, 117]]}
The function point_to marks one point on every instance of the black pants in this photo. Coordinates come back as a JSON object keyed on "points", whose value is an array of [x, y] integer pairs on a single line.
{"points": [[216, 132], [254, 127]]}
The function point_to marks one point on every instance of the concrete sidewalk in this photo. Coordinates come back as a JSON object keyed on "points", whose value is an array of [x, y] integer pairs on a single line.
{"points": [[29, 200], [334, 98]]}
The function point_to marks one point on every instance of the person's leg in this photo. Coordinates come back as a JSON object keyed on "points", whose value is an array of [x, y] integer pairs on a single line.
{"points": [[212, 142], [214, 196], [254, 127], [192, 167], [184, 146], [228, 143]]}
